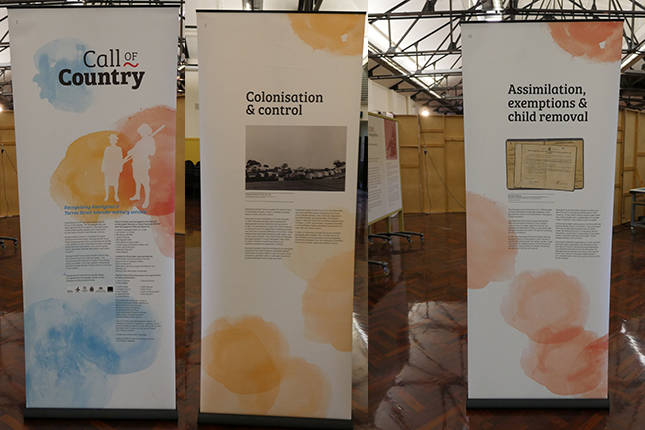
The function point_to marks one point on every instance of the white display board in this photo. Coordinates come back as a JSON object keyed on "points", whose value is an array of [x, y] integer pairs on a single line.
{"points": [[383, 168], [279, 119], [94, 94], [540, 106]]}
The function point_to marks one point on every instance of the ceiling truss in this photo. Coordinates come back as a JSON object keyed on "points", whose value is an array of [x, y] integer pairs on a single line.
{"points": [[427, 64]]}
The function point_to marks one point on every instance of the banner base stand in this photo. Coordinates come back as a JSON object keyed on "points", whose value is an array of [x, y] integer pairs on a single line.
{"points": [[101, 414], [271, 421], [537, 403]]}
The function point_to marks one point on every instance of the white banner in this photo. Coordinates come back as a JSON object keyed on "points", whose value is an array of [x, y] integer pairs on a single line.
{"points": [[279, 118], [541, 106], [384, 169], [95, 131]]}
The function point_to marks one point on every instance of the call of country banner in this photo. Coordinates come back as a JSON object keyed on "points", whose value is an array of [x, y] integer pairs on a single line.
{"points": [[539, 138], [279, 164], [94, 94]]}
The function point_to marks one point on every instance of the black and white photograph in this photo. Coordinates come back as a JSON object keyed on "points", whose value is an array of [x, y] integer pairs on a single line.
{"points": [[295, 158]]}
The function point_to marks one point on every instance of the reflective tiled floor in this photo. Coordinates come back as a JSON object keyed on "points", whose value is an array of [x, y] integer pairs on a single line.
{"points": [[418, 333]]}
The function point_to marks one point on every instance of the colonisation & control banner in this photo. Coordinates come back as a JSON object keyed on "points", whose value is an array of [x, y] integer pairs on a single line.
{"points": [[279, 118]]}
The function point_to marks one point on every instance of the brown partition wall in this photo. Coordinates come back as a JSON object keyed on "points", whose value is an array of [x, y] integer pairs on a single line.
{"points": [[432, 163], [433, 171], [8, 177]]}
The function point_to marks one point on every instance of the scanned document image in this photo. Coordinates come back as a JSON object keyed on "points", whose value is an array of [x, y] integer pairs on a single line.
{"points": [[511, 159], [548, 167]]}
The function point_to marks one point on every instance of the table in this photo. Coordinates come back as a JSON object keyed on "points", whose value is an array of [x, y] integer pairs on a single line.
{"points": [[634, 223]]}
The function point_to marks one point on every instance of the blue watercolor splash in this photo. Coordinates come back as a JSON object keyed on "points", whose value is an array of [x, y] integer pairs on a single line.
{"points": [[70, 355], [133, 356], [50, 59]]}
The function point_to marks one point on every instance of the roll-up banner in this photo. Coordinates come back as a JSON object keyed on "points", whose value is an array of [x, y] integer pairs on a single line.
{"points": [[94, 95], [540, 106], [279, 130], [384, 169]]}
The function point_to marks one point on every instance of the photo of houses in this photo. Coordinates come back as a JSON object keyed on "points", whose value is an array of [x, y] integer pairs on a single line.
{"points": [[295, 158]]}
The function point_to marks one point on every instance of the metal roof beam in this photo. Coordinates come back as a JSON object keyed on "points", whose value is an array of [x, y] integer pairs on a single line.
{"points": [[447, 104], [415, 53], [417, 75]]}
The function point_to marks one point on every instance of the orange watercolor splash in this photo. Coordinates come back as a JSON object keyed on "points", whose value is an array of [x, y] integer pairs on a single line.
{"points": [[242, 363], [259, 404], [79, 181], [307, 260], [215, 398], [327, 303], [574, 367], [336, 274], [304, 391], [548, 306], [488, 253], [254, 373], [599, 41], [338, 34], [162, 163], [245, 354]]}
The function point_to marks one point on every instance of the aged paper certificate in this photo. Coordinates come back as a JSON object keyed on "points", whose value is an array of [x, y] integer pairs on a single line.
{"points": [[551, 167], [510, 158]]}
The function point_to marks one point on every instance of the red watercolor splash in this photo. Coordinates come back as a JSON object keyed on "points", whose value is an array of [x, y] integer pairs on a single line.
{"points": [[548, 306], [599, 41], [162, 163], [576, 367], [79, 180], [489, 256], [164, 234], [391, 145], [592, 365]]}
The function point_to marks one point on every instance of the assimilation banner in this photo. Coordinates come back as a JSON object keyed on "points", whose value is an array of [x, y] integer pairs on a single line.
{"points": [[95, 131], [384, 170], [279, 120], [541, 106]]}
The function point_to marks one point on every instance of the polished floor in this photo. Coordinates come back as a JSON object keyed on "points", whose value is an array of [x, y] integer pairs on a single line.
{"points": [[418, 334]]}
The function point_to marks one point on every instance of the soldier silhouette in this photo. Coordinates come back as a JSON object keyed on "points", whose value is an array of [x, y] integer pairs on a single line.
{"points": [[140, 155], [112, 167]]}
